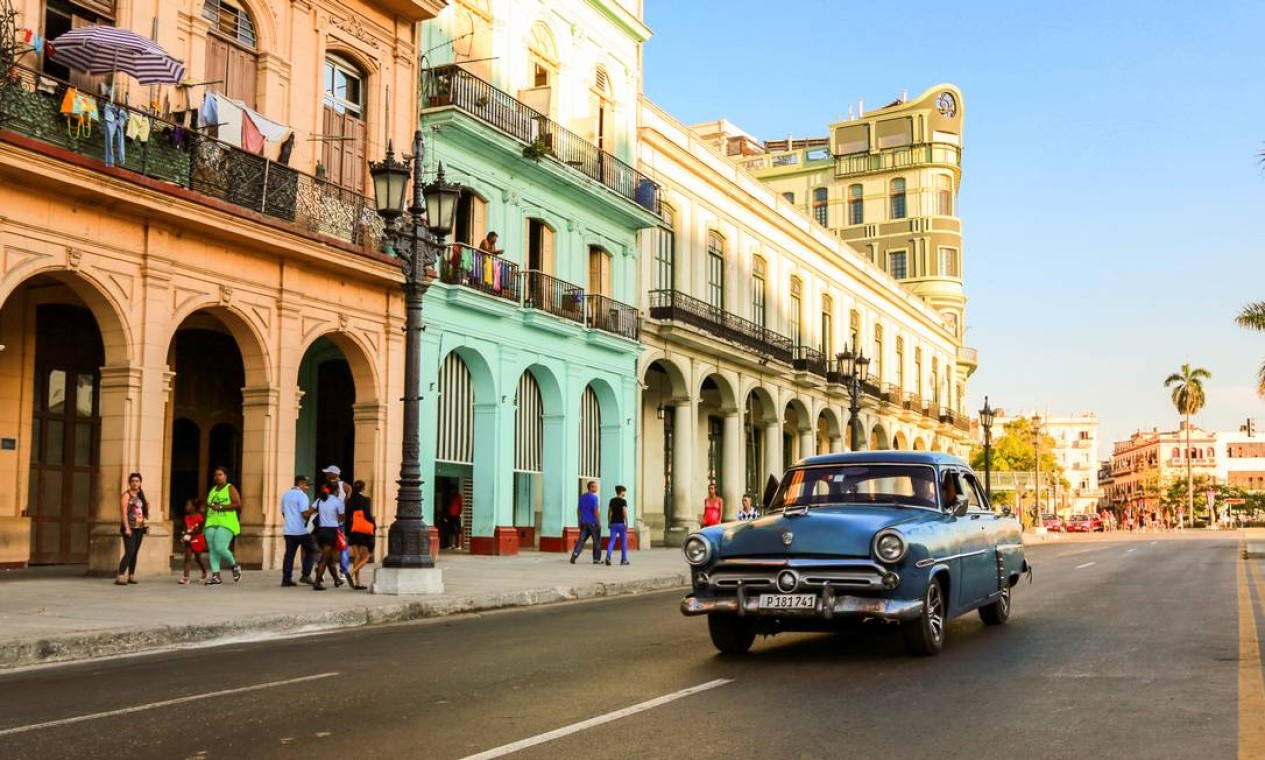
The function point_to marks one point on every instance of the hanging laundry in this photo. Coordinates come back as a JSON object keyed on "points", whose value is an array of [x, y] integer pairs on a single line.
{"points": [[487, 269], [37, 42], [496, 276], [252, 139], [138, 127], [115, 149], [209, 114], [230, 121]]}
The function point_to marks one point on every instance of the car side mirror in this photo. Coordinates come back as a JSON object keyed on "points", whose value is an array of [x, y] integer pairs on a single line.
{"points": [[1005, 512], [960, 505]]}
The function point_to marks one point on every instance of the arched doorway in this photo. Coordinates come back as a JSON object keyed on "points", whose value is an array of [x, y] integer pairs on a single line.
{"points": [[65, 432], [529, 459], [899, 443], [797, 432], [829, 436], [920, 444], [759, 418], [716, 405], [454, 451], [878, 438], [326, 429], [206, 410], [664, 404]]}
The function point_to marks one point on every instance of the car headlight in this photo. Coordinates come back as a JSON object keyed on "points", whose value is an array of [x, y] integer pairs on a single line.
{"points": [[698, 550], [890, 546]]}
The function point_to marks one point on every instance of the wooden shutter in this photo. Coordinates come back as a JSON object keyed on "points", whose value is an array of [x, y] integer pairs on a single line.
{"points": [[478, 219], [343, 152], [546, 248], [234, 67]]}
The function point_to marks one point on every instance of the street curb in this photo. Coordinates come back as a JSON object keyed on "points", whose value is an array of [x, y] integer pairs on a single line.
{"points": [[88, 646]]}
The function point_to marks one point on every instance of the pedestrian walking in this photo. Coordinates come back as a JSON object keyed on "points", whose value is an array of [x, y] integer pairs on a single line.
{"points": [[452, 518], [617, 518], [360, 528], [748, 509], [223, 506], [134, 509], [193, 540], [330, 508], [590, 523], [713, 506], [295, 510]]}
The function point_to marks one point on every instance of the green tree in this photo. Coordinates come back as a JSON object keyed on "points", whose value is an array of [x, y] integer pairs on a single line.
{"points": [[1252, 317], [1015, 451], [1188, 396]]}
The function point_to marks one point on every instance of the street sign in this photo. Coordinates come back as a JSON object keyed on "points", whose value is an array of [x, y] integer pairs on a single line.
{"points": [[1234, 501]]}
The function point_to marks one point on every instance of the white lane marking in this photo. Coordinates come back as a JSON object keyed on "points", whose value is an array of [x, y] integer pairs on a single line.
{"points": [[1130, 551], [599, 720], [1152, 543], [1087, 564], [164, 703]]}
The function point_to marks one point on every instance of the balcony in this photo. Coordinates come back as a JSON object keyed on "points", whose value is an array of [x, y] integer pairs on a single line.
{"points": [[968, 357], [913, 402], [478, 270], [675, 306], [553, 296], [251, 185], [453, 86], [808, 359], [609, 315], [942, 154], [957, 420]]}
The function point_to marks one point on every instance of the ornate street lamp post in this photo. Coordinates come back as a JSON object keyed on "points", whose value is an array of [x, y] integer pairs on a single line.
{"points": [[1036, 484], [986, 417], [854, 368], [418, 239]]}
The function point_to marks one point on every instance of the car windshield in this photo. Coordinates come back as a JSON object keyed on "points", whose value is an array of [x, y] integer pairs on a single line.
{"points": [[908, 484]]}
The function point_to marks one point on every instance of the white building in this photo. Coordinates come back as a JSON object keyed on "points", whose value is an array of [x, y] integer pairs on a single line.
{"points": [[1241, 460], [1075, 449]]}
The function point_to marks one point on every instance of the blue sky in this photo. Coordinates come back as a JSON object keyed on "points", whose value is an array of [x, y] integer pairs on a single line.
{"points": [[1110, 178]]}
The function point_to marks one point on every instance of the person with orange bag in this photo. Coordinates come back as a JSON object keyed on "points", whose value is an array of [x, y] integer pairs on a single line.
{"points": [[360, 528]]}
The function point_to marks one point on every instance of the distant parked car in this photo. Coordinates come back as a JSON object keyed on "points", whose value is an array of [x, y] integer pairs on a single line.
{"points": [[1083, 524], [1052, 522], [898, 536]]}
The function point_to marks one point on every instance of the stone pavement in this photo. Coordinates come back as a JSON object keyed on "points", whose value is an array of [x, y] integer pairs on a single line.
{"points": [[58, 615]]}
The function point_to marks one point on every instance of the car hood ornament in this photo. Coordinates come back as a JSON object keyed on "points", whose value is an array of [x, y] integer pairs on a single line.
{"points": [[787, 537]]}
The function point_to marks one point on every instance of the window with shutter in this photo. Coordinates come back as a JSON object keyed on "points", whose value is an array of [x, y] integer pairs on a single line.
{"points": [[343, 135], [232, 60]]}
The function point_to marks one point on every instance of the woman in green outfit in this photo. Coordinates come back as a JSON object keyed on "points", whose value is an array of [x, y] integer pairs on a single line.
{"points": [[223, 504]]}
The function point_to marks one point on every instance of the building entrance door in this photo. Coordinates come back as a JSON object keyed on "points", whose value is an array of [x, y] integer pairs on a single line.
{"points": [[65, 433]]}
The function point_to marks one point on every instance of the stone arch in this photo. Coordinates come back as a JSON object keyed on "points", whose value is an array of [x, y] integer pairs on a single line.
{"points": [[359, 359], [829, 431], [899, 442], [879, 440], [111, 317], [481, 375], [759, 401], [919, 444], [266, 37], [246, 333], [678, 385], [725, 388]]}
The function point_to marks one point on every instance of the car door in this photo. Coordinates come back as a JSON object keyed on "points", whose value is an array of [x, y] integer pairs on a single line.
{"points": [[979, 528]]}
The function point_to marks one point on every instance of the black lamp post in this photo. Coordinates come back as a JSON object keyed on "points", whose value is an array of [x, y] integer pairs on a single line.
{"points": [[986, 416], [418, 239], [854, 367]]}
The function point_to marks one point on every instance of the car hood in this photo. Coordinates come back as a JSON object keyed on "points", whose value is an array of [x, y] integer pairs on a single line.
{"points": [[837, 531]]}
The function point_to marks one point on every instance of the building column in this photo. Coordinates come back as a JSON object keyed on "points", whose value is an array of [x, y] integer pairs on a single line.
{"points": [[684, 510], [772, 455], [558, 480], [257, 482], [734, 467], [491, 531], [807, 441]]}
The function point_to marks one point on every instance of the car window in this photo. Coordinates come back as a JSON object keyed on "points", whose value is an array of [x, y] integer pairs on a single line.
{"points": [[975, 494], [857, 484]]}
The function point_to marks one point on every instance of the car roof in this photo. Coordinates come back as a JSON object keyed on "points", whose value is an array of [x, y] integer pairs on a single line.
{"points": [[885, 457]]}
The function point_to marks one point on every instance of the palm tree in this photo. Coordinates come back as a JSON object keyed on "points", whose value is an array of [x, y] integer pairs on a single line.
{"points": [[1253, 318], [1189, 398]]}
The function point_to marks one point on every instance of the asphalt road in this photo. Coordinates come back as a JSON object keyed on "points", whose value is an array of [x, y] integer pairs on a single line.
{"points": [[1120, 649]]}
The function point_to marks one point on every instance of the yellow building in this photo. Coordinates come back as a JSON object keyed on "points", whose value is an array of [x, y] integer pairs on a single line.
{"points": [[198, 303], [886, 183], [1145, 465]]}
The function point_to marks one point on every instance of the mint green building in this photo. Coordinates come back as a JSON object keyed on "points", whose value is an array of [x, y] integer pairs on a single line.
{"points": [[530, 384]]}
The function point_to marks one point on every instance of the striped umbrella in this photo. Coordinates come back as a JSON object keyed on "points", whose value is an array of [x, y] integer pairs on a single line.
{"points": [[106, 49]]}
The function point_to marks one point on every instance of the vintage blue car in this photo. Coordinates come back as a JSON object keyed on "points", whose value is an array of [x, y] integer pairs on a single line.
{"points": [[899, 536]]}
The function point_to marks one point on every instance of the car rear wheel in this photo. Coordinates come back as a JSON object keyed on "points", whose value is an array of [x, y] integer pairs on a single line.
{"points": [[924, 637], [730, 634], [998, 612]]}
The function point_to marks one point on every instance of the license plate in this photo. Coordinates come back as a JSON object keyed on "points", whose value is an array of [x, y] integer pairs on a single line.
{"points": [[788, 601]]}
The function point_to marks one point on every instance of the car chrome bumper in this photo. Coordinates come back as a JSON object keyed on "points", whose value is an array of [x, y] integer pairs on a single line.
{"points": [[826, 607]]}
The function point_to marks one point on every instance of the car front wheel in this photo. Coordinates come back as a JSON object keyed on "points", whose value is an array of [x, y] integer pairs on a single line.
{"points": [[998, 612], [924, 637], [729, 634]]}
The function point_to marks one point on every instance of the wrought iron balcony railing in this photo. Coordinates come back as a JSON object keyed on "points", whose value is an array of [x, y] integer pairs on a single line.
{"points": [[454, 86], [675, 306], [807, 359], [913, 402], [608, 315], [482, 271], [549, 294], [30, 107]]}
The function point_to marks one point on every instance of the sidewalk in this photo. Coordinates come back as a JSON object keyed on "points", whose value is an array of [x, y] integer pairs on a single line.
{"points": [[57, 615]]}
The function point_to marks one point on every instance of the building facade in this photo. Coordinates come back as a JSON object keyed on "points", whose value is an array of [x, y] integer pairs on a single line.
{"points": [[1143, 466], [1075, 439], [1241, 460], [747, 303], [530, 376], [886, 183], [209, 296]]}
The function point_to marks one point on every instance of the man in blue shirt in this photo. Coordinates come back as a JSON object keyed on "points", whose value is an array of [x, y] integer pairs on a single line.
{"points": [[590, 523], [295, 509]]}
